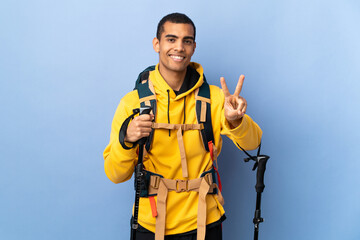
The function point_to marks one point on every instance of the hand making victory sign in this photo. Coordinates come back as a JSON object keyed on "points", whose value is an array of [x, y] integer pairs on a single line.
{"points": [[234, 105]]}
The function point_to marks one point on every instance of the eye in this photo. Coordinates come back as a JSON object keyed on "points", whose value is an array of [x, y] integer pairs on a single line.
{"points": [[189, 42], [171, 40]]}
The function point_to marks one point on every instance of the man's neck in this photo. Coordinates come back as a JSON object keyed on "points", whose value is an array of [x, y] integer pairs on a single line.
{"points": [[173, 79]]}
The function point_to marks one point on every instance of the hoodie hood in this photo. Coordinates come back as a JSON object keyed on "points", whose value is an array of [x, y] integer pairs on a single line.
{"points": [[161, 86], [176, 104]]}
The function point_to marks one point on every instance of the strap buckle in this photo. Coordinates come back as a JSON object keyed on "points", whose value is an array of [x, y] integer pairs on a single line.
{"points": [[181, 186], [155, 181], [208, 178]]}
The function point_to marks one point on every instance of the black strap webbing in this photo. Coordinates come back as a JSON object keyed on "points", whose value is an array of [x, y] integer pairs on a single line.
{"points": [[206, 133], [123, 130], [251, 157]]}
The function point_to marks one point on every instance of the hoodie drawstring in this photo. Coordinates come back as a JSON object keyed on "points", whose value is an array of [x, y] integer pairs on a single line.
{"points": [[168, 110], [184, 110]]}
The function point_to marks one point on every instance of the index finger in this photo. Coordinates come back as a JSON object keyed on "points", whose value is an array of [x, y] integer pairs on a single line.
{"points": [[239, 85], [146, 117], [224, 87]]}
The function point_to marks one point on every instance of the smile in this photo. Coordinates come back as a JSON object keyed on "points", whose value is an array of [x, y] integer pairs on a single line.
{"points": [[177, 58]]}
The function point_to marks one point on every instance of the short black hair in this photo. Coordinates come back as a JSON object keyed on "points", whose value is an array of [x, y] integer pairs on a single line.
{"points": [[173, 18]]}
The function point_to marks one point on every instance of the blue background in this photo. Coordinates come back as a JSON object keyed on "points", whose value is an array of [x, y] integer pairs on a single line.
{"points": [[64, 65]]}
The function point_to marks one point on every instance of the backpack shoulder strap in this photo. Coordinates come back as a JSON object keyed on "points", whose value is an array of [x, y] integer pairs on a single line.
{"points": [[143, 75], [147, 96], [203, 113]]}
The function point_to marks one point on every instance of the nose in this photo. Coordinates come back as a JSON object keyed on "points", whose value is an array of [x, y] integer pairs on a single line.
{"points": [[179, 46]]}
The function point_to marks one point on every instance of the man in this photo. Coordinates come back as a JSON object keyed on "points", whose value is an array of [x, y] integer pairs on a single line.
{"points": [[179, 161]]}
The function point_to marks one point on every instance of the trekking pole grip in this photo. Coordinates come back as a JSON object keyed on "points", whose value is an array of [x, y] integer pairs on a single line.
{"points": [[144, 110], [261, 165]]}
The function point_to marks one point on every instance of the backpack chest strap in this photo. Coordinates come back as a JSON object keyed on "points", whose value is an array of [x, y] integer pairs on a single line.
{"points": [[183, 127], [180, 128]]}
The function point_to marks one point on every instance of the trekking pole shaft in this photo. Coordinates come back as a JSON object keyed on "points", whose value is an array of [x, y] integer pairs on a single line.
{"points": [[257, 217], [256, 234], [138, 176], [258, 202]]}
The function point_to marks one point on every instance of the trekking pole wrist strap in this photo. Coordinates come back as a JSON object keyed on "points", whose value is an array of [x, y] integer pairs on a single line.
{"points": [[123, 130]]}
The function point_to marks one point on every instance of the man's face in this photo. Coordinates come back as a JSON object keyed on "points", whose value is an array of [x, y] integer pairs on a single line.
{"points": [[175, 46]]}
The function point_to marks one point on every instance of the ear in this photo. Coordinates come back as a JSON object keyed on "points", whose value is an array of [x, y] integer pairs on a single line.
{"points": [[193, 50], [156, 44], [194, 47]]}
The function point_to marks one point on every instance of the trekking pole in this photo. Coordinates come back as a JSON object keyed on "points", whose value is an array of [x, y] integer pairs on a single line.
{"points": [[138, 176], [260, 164]]}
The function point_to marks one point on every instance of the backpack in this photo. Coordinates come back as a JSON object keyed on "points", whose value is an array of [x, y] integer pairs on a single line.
{"points": [[147, 96]]}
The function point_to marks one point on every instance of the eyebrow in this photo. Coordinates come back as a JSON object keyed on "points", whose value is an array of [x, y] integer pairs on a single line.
{"points": [[174, 36]]}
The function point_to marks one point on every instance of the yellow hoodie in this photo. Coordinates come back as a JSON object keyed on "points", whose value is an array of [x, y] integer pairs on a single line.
{"points": [[164, 156]]}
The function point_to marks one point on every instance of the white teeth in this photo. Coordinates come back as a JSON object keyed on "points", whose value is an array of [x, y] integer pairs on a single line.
{"points": [[177, 57]]}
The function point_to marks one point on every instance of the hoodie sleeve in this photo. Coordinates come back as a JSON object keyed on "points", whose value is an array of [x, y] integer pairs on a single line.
{"points": [[247, 134], [119, 162]]}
